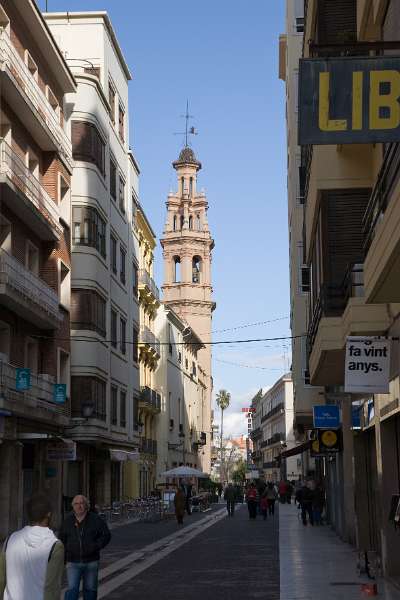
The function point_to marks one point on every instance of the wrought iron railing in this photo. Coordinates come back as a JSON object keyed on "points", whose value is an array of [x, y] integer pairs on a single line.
{"points": [[146, 279], [147, 337], [11, 61], [19, 175], [277, 409], [32, 288], [150, 397]]}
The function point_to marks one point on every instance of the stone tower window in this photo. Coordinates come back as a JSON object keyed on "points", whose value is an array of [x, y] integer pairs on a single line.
{"points": [[182, 221], [190, 222], [174, 223], [196, 269], [177, 270], [191, 186]]}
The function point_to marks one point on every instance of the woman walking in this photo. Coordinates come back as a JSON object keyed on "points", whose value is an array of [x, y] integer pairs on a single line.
{"points": [[251, 497], [180, 505], [271, 497], [264, 504]]}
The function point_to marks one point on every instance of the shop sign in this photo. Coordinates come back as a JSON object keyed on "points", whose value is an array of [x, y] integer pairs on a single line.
{"points": [[367, 365], [349, 100], [326, 416], [61, 450], [22, 380], [59, 393], [326, 441]]}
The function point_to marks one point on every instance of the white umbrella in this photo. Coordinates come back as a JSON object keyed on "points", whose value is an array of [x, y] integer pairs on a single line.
{"points": [[184, 472]]}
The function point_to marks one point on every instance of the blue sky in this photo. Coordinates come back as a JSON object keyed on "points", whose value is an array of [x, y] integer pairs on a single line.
{"points": [[223, 56]]}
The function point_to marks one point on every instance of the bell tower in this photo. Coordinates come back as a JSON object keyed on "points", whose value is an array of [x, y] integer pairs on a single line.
{"points": [[187, 250]]}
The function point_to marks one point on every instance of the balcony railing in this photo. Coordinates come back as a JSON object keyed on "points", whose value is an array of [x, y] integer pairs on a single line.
{"points": [[304, 171], [151, 398], [381, 194], [256, 433], [11, 61], [277, 437], [333, 299], [18, 173], [274, 411], [147, 280], [39, 396], [270, 465], [147, 337], [33, 290], [148, 446]]}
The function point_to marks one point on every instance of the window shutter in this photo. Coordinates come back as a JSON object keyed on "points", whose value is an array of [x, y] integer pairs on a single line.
{"points": [[337, 21], [81, 140]]}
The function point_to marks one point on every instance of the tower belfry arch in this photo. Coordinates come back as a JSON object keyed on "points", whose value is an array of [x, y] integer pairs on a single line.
{"points": [[187, 251]]}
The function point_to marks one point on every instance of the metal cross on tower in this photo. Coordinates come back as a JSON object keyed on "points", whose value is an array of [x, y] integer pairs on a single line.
{"points": [[188, 130]]}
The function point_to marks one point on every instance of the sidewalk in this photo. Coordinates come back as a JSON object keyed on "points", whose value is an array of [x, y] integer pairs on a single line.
{"points": [[315, 563]]}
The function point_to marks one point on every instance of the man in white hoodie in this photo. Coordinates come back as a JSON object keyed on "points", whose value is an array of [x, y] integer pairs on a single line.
{"points": [[32, 559]]}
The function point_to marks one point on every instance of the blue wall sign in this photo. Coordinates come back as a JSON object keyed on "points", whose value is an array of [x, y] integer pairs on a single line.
{"points": [[326, 416], [22, 380], [356, 416], [59, 393]]}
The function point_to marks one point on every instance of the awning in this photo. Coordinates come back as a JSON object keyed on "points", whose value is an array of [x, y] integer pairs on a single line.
{"points": [[296, 450], [118, 455]]}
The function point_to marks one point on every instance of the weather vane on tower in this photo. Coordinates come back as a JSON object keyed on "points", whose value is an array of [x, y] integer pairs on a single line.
{"points": [[188, 130]]}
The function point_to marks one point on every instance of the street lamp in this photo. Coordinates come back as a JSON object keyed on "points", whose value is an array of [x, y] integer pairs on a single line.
{"points": [[87, 410]]}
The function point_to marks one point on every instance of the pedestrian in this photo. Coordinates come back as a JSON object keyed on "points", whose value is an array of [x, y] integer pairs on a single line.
{"points": [[264, 504], [32, 559], [180, 505], [289, 492], [83, 534], [318, 504], [271, 498], [230, 497], [251, 497], [282, 491], [305, 497]]}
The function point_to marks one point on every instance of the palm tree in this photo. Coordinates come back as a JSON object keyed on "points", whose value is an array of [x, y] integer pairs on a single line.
{"points": [[223, 400]]}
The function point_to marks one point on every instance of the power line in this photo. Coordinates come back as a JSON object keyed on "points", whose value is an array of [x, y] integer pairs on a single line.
{"points": [[249, 325], [234, 364]]}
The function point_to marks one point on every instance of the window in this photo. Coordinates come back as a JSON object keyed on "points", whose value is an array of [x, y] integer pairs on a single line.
{"points": [[194, 370], [135, 412], [31, 360], [32, 258], [51, 97], [305, 278], [122, 408], [122, 265], [64, 194], [114, 405], [135, 340], [89, 228], [111, 100], [113, 328], [32, 66], [122, 328], [299, 26], [88, 311], [170, 339], [63, 369], [174, 223], [186, 364], [87, 144], [177, 272], [5, 341], [190, 222], [88, 390], [121, 122], [198, 222], [196, 269], [113, 254], [134, 280], [113, 180], [191, 186], [121, 194]]}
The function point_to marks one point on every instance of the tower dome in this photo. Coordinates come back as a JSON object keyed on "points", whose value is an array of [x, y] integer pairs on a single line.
{"points": [[187, 157]]}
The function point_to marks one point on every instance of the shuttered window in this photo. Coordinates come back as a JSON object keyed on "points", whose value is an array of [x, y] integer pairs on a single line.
{"points": [[134, 280], [87, 144], [113, 328], [114, 405], [135, 340], [111, 100], [113, 180], [89, 229], [86, 390], [88, 311], [336, 21], [121, 123], [122, 408], [135, 412]]}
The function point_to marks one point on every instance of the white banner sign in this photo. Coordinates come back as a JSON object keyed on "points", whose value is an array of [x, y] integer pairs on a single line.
{"points": [[367, 365]]}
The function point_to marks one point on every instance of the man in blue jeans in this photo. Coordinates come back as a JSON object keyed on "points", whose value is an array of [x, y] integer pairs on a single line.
{"points": [[83, 534]]}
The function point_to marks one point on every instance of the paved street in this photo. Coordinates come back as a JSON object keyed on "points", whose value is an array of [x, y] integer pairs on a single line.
{"points": [[236, 558]]}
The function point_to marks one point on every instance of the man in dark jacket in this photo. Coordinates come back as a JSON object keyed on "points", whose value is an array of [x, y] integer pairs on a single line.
{"points": [[83, 534], [230, 497], [305, 498]]}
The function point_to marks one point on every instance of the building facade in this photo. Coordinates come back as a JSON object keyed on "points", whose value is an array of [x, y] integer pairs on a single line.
{"points": [[35, 257], [187, 250], [104, 304], [350, 242], [181, 424]]}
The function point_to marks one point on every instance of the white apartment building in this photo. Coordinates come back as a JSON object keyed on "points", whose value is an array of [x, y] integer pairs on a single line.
{"points": [[276, 422], [104, 314], [182, 425]]}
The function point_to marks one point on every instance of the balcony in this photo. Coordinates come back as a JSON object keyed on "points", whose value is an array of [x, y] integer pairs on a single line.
{"points": [[23, 93], [382, 232], [279, 408], [147, 446], [150, 400], [149, 345], [275, 439], [341, 311], [26, 197], [148, 291], [256, 455], [256, 434], [36, 403], [27, 295]]}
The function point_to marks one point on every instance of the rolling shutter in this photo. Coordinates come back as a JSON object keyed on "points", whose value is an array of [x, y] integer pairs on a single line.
{"points": [[337, 21]]}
